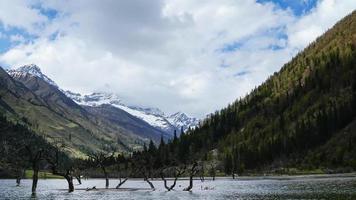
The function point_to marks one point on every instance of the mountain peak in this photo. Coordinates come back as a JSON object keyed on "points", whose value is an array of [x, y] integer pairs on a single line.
{"points": [[153, 116], [30, 69]]}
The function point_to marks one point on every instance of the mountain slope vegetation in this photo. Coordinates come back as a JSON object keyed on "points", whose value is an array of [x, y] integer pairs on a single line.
{"points": [[303, 116], [47, 111]]}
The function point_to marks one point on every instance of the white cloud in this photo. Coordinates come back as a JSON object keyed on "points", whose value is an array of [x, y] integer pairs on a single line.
{"points": [[17, 38], [167, 53], [21, 14], [319, 20]]}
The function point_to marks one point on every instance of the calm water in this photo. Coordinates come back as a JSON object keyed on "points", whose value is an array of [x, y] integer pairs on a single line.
{"points": [[291, 188]]}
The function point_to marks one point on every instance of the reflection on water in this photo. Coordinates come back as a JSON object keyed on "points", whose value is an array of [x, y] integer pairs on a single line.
{"points": [[294, 188]]}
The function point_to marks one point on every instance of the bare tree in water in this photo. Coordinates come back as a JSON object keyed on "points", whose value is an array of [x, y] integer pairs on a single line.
{"points": [[192, 172], [212, 170], [35, 158], [60, 163], [122, 170], [103, 160], [175, 172], [142, 168]]}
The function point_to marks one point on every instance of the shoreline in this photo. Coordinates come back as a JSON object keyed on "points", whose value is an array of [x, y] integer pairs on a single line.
{"points": [[237, 178]]}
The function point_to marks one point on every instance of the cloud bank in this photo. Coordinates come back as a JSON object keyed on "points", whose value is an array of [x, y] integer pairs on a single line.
{"points": [[178, 55]]}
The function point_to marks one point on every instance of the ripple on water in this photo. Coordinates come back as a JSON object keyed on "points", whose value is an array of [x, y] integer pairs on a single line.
{"points": [[299, 188]]}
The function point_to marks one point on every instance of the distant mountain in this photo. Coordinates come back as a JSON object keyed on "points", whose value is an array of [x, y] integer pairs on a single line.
{"points": [[101, 113], [19, 104], [153, 116], [30, 70], [31, 95]]}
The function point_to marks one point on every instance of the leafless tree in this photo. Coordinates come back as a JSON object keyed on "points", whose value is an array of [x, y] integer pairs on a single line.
{"points": [[193, 171], [123, 177], [212, 170], [60, 163], [103, 160], [177, 172], [35, 157]]}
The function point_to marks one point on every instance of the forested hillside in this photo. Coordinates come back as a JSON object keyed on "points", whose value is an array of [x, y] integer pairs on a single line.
{"points": [[18, 144], [303, 116]]}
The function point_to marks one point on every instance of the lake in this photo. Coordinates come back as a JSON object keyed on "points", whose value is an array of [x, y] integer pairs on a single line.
{"points": [[295, 187]]}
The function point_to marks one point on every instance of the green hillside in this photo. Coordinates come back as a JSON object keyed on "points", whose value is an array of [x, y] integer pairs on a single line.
{"points": [[49, 113], [303, 116]]}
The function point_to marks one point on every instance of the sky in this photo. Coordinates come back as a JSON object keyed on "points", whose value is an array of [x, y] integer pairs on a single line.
{"points": [[178, 55]]}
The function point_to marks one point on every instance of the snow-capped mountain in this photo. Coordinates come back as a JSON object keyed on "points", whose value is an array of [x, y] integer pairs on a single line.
{"points": [[32, 70], [180, 119], [153, 116]]}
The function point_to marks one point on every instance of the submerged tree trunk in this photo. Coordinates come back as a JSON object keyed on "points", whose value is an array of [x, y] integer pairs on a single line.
{"points": [[69, 179], [34, 180], [165, 183], [190, 186], [18, 181], [172, 186], [193, 171], [212, 171], [106, 178], [202, 173], [79, 179], [150, 183], [20, 175], [121, 183], [177, 174], [68, 176]]}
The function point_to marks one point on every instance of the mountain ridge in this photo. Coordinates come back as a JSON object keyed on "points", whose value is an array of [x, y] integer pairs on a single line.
{"points": [[153, 116]]}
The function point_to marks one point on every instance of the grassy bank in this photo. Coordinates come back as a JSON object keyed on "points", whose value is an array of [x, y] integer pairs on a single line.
{"points": [[42, 175]]}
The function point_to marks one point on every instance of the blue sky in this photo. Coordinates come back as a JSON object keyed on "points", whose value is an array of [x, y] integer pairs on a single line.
{"points": [[10, 36], [298, 7], [178, 55]]}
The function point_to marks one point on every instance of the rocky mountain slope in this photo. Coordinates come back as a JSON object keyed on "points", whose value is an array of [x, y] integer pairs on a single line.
{"points": [[100, 118], [29, 96], [153, 116]]}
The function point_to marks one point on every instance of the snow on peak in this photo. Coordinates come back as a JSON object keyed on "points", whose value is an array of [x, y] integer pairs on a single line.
{"points": [[152, 111], [180, 119], [32, 70], [94, 99], [153, 116]]}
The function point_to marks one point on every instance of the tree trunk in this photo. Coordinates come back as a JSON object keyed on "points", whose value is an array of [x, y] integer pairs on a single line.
{"points": [[18, 181], [174, 183], [79, 179], [150, 183], [69, 179], [165, 183], [121, 183], [106, 177], [19, 176], [193, 172], [190, 184], [34, 180], [106, 181]]}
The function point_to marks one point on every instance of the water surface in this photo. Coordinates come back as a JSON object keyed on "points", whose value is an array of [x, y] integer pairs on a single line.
{"points": [[325, 187]]}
